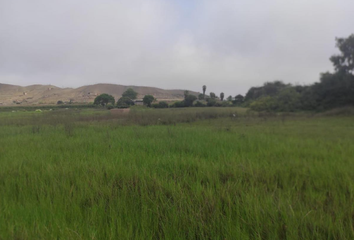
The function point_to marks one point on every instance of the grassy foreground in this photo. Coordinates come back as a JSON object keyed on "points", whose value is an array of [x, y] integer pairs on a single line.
{"points": [[216, 176]]}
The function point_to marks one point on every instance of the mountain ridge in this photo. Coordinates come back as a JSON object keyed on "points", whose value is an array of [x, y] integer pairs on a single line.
{"points": [[50, 94]]}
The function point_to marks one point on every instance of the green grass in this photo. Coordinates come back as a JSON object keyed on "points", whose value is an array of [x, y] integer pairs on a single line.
{"points": [[193, 174]]}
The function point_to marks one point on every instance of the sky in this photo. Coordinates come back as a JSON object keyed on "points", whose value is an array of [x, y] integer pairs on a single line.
{"points": [[227, 45]]}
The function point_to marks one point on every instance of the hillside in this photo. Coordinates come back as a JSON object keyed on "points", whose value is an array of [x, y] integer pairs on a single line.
{"points": [[48, 94]]}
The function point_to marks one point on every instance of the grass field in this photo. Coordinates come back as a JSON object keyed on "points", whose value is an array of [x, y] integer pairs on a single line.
{"points": [[176, 174]]}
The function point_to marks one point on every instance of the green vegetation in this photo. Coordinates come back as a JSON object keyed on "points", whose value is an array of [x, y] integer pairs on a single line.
{"points": [[124, 102], [130, 93], [204, 89], [222, 95], [104, 99], [161, 104], [334, 89], [148, 99], [194, 173]]}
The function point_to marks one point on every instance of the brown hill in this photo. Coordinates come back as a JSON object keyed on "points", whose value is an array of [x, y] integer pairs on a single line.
{"points": [[48, 94]]}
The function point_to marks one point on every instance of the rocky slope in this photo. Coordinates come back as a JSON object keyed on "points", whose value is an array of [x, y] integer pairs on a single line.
{"points": [[48, 94]]}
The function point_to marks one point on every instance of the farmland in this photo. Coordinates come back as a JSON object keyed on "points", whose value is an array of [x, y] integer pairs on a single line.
{"points": [[176, 174]]}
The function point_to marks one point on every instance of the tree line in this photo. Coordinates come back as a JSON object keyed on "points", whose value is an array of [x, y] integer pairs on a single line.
{"points": [[333, 90]]}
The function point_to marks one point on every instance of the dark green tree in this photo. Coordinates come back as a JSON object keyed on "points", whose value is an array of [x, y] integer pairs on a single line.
{"points": [[148, 99], [186, 93], [104, 99], [200, 97], [344, 62], [130, 93], [204, 89], [189, 99], [239, 99], [229, 98], [212, 95], [124, 102], [222, 95]]}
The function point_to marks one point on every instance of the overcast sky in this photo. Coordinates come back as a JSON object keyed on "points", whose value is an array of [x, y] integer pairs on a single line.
{"points": [[227, 45]]}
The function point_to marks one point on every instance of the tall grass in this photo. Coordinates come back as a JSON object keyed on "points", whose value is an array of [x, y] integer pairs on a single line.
{"points": [[95, 176]]}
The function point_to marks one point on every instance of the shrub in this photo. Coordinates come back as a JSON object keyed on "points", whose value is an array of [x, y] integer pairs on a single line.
{"points": [[179, 104], [199, 104], [124, 102], [160, 105], [211, 102]]}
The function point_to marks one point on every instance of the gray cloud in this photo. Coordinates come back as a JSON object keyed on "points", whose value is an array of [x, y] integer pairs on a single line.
{"points": [[227, 45]]}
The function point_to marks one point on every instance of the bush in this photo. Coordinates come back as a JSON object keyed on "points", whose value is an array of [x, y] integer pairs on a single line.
{"points": [[211, 102], [160, 105], [179, 104], [199, 104], [110, 106]]}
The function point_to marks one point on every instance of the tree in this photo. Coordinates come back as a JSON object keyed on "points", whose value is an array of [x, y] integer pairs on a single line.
{"points": [[104, 99], [148, 99], [212, 95], [189, 99], [60, 102], [268, 89], [239, 99], [204, 89], [186, 93], [124, 102], [130, 93], [222, 96], [229, 98], [200, 97], [344, 62]]}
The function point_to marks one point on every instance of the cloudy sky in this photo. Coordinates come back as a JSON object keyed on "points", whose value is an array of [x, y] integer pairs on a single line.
{"points": [[227, 45]]}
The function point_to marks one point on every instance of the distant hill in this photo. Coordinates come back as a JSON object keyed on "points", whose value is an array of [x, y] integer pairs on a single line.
{"points": [[48, 94]]}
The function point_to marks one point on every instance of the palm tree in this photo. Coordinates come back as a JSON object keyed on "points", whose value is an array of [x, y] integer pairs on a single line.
{"points": [[204, 89], [222, 96]]}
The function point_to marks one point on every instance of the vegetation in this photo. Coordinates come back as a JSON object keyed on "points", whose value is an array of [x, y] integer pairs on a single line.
{"points": [[207, 173], [334, 89], [161, 104], [239, 99], [222, 95], [204, 89], [148, 99], [124, 102], [130, 93], [104, 99]]}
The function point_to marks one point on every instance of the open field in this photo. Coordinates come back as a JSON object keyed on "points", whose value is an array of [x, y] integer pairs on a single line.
{"points": [[176, 174]]}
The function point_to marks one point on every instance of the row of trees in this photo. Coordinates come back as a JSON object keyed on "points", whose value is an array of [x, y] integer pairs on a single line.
{"points": [[334, 89], [125, 101], [189, 100]]}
